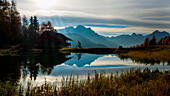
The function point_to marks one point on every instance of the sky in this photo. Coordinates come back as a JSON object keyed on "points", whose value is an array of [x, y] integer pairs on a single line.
{"points": [[103, 16]]}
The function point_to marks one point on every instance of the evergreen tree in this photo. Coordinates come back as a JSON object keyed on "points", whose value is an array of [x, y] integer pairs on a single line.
{"points": [[33, 29], [46, 27], [15, 24], [146, 42], [4, 22], [43, 26], [50, 27], [166, 40], [31, 24], [36, 24], [152, 41], [159, 42], [25, 27], [25, 21], [10, 25]]}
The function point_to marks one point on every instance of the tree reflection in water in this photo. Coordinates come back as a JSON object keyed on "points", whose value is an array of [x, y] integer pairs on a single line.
{"points": [[10, 68], [144, 60], [30, 64]]}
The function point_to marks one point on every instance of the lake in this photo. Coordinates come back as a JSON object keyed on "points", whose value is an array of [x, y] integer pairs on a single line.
{"points": [[54, 65]]}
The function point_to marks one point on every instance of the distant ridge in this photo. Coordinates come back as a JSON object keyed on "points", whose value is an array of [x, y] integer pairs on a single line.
{"points": [[90, 39], [84, 35], [136, 39], [158, 34]]}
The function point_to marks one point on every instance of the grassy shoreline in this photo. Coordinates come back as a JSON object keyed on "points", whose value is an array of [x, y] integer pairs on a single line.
{"points": [[88, 50], [133, 83], [152, 54]]}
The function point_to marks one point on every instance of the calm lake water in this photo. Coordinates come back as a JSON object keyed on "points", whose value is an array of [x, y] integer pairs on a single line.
{"points": [[55, 65]]}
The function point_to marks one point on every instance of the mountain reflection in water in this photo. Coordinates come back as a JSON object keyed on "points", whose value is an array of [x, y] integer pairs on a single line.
{"points": [[30, 64], [51, 63]]}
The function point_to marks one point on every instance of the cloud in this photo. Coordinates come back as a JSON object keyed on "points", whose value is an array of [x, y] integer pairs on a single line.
{"points": [[138, 14], [112, 8], [105, 26], [128, 30], [159, 19], [73, 21]]}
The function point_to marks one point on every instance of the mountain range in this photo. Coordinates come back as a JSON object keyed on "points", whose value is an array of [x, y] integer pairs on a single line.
{"points": [[137, 39], [87, 37], [90, 39]]}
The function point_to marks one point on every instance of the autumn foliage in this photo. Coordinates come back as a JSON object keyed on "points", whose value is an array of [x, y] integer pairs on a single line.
{"points": [[163, 41], [10, 25]]}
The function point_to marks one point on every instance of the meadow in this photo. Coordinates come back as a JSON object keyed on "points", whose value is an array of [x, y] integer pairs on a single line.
{"points": [[130, 83]]}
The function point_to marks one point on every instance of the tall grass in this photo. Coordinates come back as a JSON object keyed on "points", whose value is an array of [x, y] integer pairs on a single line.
{"points": [[129, 83], [159, 54]]}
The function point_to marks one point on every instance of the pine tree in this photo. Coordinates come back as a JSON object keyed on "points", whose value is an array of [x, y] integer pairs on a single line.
{"points": [[25, 27], [46, 26], [146, 42], [43, 26], [36, 24], [50, 27], [15, 24], [166, 40], [25, 21], [33, 29], [152, 41], [10, 25], [31, 24], [4, 22]]}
